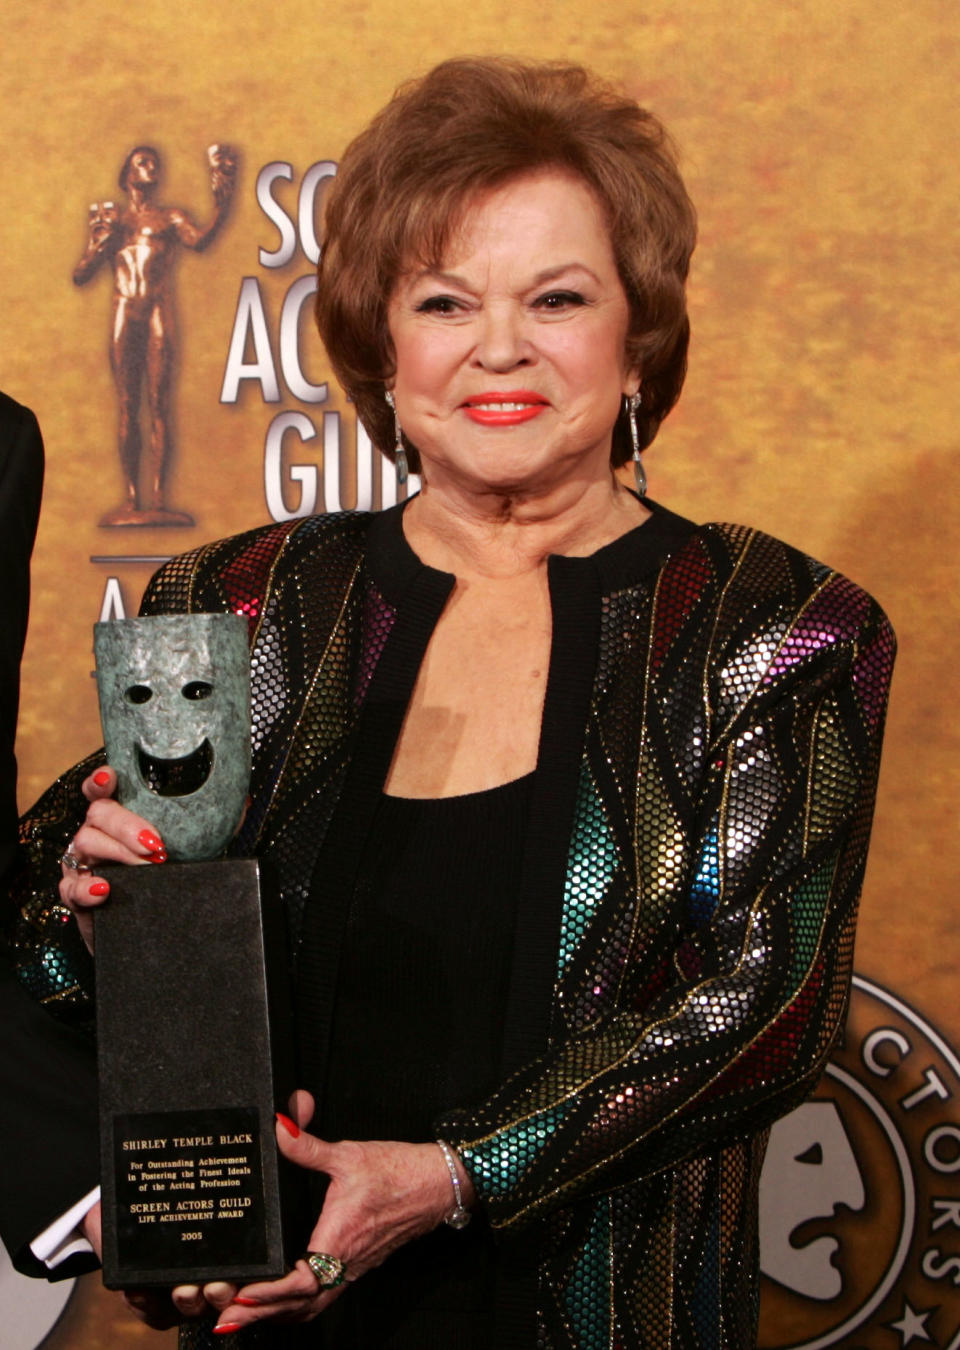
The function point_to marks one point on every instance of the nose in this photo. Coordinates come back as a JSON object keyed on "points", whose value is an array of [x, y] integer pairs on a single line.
{"points": [[502, 344]]}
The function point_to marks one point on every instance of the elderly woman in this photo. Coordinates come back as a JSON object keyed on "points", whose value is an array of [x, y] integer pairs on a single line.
{"points": [[569, 796]]}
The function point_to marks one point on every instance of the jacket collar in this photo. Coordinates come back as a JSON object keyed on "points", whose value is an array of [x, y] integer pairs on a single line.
{"points": [[624, 562]]}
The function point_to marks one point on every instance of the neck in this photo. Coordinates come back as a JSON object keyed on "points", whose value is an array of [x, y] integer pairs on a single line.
{"points": [[499, 535]]}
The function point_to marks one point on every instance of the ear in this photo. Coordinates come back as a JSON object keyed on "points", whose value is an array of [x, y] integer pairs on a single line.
{"points": [[632, 380]]}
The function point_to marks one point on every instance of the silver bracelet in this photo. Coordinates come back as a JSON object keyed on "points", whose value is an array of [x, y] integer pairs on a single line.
{"points": [[459, 1217]]}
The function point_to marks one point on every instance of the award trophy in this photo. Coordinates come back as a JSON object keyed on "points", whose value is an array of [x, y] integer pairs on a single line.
{"points": [[193, 1010]]}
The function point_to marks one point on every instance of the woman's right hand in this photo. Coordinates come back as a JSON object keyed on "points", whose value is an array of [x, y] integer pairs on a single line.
{"points": [[110, 833]]}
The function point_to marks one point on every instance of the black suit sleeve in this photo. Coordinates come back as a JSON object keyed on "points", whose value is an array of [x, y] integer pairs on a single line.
{"points": [[48, 1122], [21, 482], [48, 1130]]}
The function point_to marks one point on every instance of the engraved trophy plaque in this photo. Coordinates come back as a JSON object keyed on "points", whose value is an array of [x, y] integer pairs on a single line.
{"points": [[193, 1010]]}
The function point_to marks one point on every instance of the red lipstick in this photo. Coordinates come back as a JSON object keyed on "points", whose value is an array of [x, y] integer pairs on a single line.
{"points": [[504, 407]]}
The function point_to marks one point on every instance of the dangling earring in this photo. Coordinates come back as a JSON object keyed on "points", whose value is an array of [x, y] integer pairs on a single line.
{"points": [[640, 478], [400, 455]]}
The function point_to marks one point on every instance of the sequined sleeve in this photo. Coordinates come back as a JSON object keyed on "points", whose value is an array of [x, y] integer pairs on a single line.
{"points": [[732, 1028], [50, 958]]}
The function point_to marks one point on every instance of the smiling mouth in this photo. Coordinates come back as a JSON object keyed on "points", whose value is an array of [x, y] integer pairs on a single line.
{"points": [[176, 777], [504, 410], [504, 406]]}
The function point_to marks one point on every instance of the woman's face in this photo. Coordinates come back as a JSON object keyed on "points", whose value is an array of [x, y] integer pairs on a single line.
{"points": [[510, 363]]}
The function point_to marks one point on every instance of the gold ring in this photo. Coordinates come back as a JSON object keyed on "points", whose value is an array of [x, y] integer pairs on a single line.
{"points": [[329, 1270]]}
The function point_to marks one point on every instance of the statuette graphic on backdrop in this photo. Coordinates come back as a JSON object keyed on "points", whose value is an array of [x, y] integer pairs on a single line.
{"points": [[140, 243]]}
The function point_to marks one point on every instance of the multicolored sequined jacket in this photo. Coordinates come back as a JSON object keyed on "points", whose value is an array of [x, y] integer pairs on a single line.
{"points": [[698, 831]]}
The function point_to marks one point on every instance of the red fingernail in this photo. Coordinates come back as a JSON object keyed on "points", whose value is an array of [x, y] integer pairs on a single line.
{"points": [[225, 1328], [101, 778], [159, 857], [100, 888], [149, 840], [290, 1126], [247, 1302]]}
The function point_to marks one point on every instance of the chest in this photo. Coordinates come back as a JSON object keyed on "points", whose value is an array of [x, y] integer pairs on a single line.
{"points": [[474, 717]]}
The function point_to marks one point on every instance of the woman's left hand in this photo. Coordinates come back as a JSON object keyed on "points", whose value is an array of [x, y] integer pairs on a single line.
{"points": [[380, 1196]]}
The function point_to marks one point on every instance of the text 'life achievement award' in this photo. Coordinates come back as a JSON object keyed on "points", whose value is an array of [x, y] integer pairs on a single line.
{"points": [[193, 1007]]}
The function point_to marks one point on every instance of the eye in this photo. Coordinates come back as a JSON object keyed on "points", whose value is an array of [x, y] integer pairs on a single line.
{"points": [[196, 690], [558, 300], [438, 304], [813, 1155], [138, 693]]}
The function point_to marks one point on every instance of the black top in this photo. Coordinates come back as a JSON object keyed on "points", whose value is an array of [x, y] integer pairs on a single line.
{"points": [[418, 1026], [425, 965]]}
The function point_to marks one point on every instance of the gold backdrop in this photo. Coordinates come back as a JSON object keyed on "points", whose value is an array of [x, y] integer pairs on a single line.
{"points": [[819, 141]]}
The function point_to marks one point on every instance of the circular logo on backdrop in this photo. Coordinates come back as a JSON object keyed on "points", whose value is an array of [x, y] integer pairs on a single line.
{"points": [[31, 1308], [860, 1193]]}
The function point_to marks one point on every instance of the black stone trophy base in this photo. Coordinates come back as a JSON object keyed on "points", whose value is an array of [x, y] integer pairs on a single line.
{"points": [[195, 1051]]}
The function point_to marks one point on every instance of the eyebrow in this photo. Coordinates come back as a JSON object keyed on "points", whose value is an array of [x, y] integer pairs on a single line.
{"points": [[548, 274]]}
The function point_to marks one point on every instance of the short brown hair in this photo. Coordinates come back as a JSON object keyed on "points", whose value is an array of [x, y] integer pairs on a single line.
{"points": [[473, 124]]}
